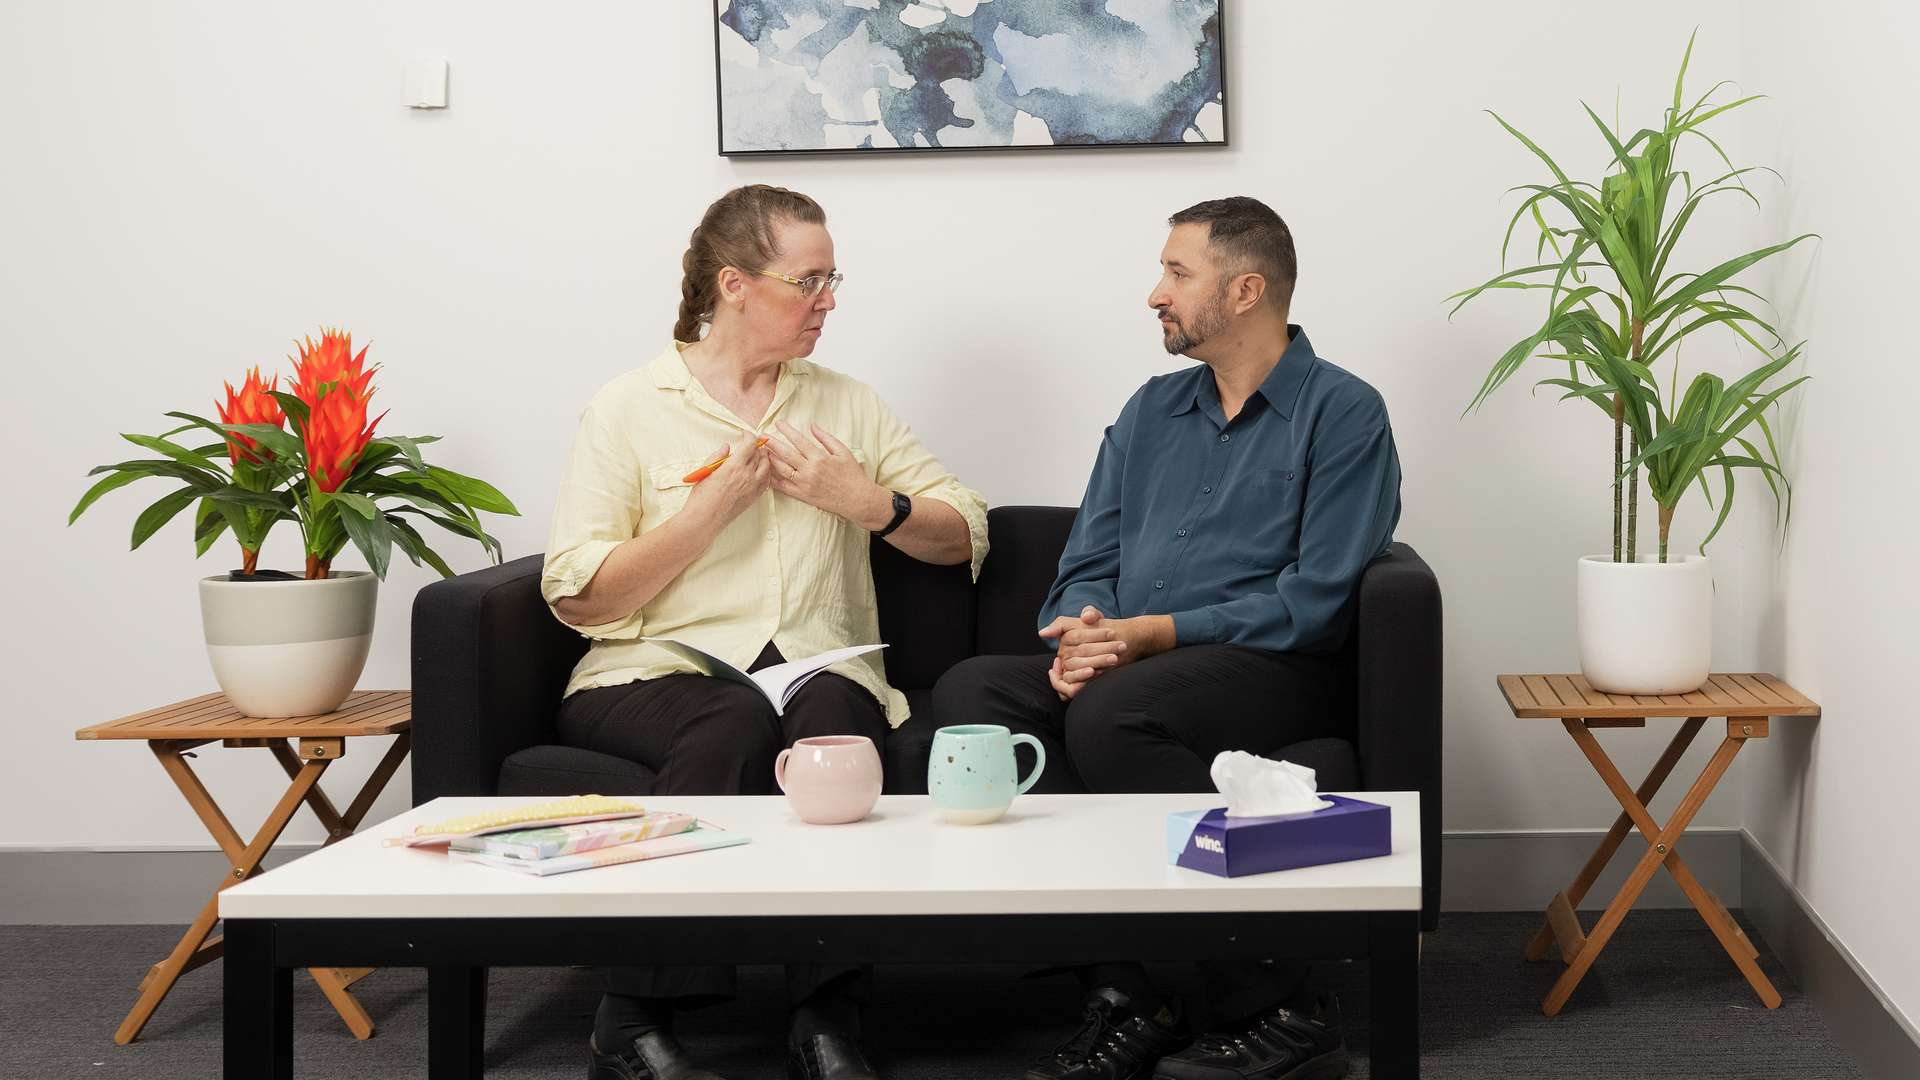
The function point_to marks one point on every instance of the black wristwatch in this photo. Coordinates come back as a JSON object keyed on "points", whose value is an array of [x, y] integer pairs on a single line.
{"points": [[902, 506]]}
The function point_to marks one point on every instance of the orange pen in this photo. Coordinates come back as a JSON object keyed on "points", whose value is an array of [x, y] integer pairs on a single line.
{"points": [[708, 469]]}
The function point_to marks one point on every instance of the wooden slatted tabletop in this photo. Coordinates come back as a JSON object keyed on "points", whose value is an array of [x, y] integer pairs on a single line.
{"points": [[1562, 696], [211, 716]]}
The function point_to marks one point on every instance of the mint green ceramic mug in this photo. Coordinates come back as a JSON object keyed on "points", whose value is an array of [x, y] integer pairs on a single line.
{"points": [[972, 776]]}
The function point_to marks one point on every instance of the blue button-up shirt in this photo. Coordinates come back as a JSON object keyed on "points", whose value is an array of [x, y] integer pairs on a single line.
{"points": [[1252, 531]]}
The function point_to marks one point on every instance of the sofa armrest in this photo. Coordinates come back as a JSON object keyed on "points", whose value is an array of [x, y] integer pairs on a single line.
{"points": [[1399, 658], [489, 664]]}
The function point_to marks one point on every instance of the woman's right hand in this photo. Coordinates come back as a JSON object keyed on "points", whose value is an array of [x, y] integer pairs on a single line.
{"points": [[734, 486]]}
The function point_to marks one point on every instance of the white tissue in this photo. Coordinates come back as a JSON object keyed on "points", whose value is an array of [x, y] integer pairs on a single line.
{"points": [[1260, 787]]}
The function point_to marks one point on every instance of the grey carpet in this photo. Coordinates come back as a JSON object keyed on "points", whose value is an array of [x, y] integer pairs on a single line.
{"points": [[1662, 1002]]}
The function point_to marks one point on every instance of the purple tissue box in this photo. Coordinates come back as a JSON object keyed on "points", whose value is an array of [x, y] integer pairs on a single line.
{"points": [[1209, 840]]}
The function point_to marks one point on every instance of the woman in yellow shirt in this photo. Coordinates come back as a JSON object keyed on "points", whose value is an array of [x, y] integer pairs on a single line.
{"points": [[762, 559]]}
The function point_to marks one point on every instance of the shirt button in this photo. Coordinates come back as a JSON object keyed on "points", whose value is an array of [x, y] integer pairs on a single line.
{"points": [[1224, 438], [1208, 490], [1289, 474], [1182, 532], [1159, 584]]}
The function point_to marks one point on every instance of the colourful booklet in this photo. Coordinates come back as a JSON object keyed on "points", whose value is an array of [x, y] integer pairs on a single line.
{"points": [[545, 843], [700, 838], [567, 811]]}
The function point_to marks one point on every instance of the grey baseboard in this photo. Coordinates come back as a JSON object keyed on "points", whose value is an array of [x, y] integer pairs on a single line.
{"points": [[1874, 1033], [95, 888], [1522, 870]]}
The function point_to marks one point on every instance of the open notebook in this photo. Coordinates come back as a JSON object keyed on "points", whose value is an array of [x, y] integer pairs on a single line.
{"points": [[778, 683]]}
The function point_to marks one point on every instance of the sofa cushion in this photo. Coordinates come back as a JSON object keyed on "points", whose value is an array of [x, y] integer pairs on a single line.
{"points": [[909, 746], [569, 770], [1332, 760], [926, 616], [1021, 564]]}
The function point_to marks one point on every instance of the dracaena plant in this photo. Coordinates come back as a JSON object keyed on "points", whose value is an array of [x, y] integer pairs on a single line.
{"points": [[1617, 304], [308, 455]]}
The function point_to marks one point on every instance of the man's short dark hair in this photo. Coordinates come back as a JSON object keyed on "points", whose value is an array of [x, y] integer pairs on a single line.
{"points": [[1250, 238]]}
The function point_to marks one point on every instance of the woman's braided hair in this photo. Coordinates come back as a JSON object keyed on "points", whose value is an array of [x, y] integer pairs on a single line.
{"points": [[736, 231]]}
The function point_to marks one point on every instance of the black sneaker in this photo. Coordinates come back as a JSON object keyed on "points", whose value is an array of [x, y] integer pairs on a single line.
{"points": [[1112, 1043], [1278, 1044], [653, 1056]]}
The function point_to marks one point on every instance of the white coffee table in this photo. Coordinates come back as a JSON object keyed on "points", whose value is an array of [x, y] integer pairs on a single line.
{"points": [[1062, 879]]}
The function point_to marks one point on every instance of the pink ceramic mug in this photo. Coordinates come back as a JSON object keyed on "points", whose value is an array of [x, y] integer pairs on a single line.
{"points": [[830, 779]]}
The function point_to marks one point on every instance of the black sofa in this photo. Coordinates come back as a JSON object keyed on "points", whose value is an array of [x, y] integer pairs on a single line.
{"points": [[490, 662]]}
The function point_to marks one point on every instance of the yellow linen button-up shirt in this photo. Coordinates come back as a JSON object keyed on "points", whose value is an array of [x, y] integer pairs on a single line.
{"points": [[783, 571]]}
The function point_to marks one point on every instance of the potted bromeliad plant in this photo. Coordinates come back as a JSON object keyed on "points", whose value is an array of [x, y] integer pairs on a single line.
{"points": [[1619, 309], [285, 643]]}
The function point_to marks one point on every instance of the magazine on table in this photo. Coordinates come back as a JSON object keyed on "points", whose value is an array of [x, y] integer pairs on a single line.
{"points": [[700, 838], [554, 840]]}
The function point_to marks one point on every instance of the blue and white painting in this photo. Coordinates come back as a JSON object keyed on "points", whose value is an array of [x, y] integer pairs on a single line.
{"points": [[877, 75]]}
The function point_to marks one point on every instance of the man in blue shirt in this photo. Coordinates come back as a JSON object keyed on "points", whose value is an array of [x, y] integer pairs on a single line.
{"points": [[1203, 604]]}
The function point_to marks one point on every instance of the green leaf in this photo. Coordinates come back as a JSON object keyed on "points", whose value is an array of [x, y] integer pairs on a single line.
{"points": [[158, 467], [1680, 80], [409, 447], [359, 504], [175, 451], [474, 492], [160, 512], [459, 526], [117, 480], [297, 412], [416, 547], [208, 525], [279, 503], [271, 436], [373, 537], [421, 492], [249, 528], [1715, 277], [374, 458], [198, 421]]}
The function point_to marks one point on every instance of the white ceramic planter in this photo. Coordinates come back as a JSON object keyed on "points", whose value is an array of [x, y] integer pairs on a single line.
{"points": [[288, 648], [1646, 627]]}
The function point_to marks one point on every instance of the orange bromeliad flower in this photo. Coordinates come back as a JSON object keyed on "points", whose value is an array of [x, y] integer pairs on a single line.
{"points": [[330, 379], [253, 404]]}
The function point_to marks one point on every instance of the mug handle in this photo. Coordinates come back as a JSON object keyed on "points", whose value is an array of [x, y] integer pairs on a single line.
{"points": [[780, 769], [1039, 762]]}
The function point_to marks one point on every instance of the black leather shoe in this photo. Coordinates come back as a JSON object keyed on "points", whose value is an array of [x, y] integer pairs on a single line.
{"points": [[828, 1056], [1112, 1043], [1278, 1044], [653, 1056]]}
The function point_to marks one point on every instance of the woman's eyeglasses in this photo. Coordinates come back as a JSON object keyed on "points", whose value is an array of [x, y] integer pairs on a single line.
{"points": [[812, 286]]}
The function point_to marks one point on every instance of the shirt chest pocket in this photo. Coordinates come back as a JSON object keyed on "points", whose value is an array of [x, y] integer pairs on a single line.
{"points": [[1266, 519], [666, 492]]}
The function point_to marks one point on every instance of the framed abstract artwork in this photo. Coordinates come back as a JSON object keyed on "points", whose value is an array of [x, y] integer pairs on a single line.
{"points": [[899, 76]]}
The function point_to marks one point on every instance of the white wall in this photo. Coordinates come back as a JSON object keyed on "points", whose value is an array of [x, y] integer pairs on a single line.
{"points": [[1832, 802], [187, 186]]}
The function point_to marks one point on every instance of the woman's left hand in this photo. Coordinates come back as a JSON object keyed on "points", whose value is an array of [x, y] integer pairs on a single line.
{"points": [[821, 471]]}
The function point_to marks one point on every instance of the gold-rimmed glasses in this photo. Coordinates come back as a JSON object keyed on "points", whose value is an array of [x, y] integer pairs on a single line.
{"points": [[812, 286]]}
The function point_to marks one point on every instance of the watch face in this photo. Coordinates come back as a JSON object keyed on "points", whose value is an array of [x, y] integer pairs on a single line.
{"points": [[902, 505]]}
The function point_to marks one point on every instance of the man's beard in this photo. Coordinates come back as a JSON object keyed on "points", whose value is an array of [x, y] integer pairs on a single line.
{"points": [[1210, 320]]}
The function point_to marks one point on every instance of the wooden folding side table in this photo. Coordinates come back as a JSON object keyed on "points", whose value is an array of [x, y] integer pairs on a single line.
{"points": [[173, 731], [1746, 701]]}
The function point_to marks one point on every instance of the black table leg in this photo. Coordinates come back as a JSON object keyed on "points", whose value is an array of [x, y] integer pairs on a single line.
{"points": [[456, 1022], [257, 1028], [1393, 959]]}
